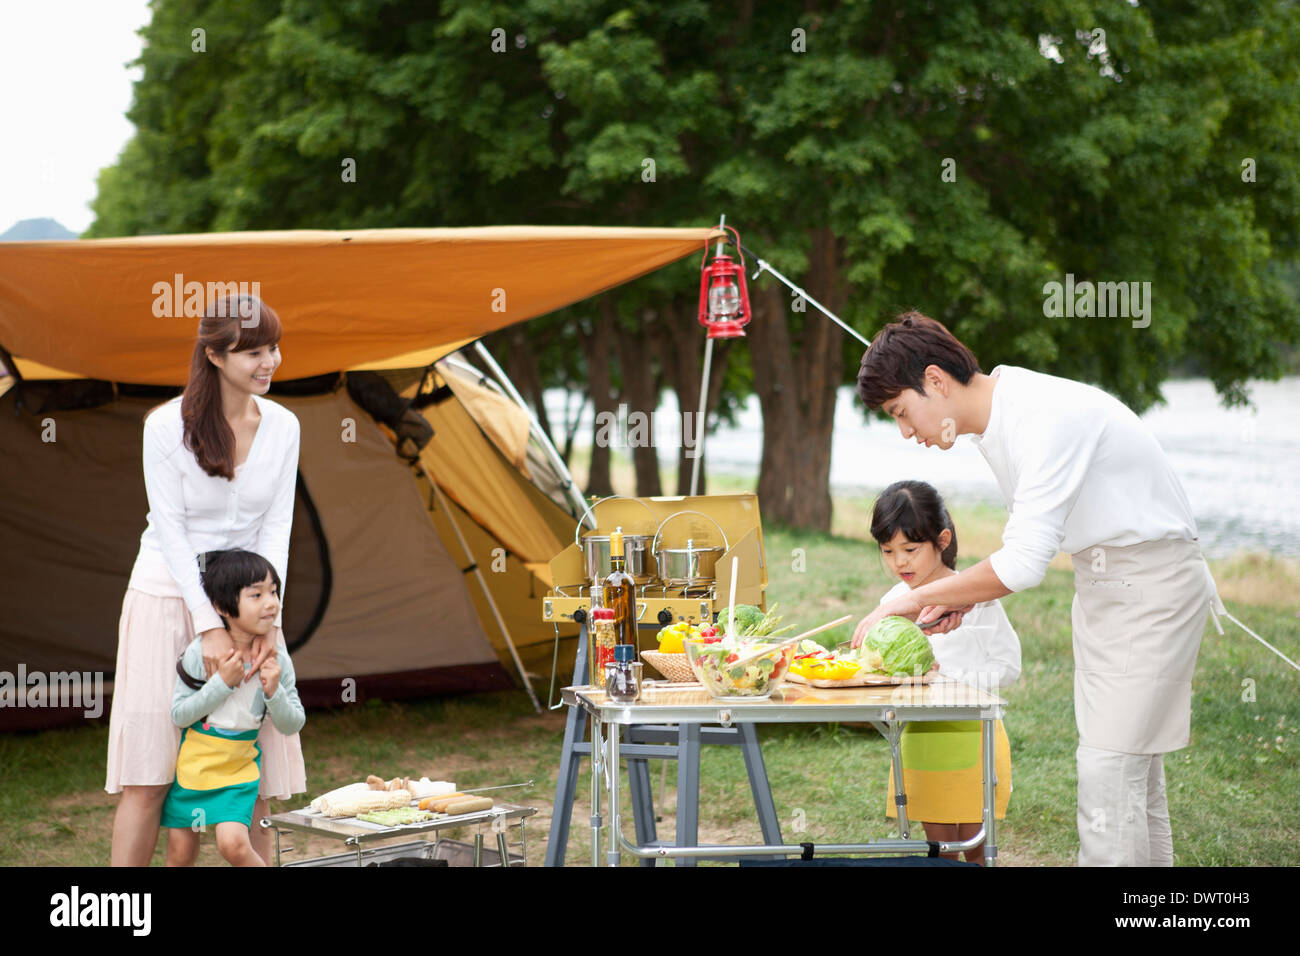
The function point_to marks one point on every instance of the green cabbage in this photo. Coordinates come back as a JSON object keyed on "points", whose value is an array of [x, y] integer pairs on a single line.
{"points": [[902, 646]]}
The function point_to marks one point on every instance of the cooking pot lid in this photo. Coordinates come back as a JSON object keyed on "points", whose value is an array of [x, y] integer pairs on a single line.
{"points": [[691, 549]]}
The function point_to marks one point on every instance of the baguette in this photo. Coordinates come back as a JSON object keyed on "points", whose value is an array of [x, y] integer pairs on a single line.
{"points": [[468, 805]]}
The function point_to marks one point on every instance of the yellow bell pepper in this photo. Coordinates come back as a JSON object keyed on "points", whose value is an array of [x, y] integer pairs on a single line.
{"points": [[817, 669], [670, 642]]}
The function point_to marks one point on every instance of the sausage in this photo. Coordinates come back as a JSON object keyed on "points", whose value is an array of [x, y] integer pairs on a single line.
{"points": [[436, 804]]}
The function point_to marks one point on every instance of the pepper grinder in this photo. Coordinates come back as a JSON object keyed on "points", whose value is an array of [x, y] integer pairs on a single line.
{"points": [[622, 676]]}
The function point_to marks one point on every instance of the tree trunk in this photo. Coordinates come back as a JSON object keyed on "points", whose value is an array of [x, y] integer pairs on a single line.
{"points": [[797, 393], [599, 346], [634, 359]]}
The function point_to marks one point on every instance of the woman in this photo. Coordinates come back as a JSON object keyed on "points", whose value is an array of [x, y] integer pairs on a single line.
{"points": [[220, 468]]}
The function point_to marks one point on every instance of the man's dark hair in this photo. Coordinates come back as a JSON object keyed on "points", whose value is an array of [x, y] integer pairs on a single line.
{"points": [[902, 351], [226, 573]]}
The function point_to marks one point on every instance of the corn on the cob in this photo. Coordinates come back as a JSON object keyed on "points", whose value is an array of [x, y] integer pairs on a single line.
{"points": [[369, 801]]}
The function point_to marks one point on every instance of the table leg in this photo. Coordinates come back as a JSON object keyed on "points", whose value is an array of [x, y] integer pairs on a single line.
{"points": [[688, 789], [597, 771], [611, 771], [988, 728], [900, 794], [758, 783], [566, 782]]}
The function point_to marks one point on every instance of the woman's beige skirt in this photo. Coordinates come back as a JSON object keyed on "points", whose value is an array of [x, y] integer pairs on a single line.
{"points": [[142, 740]]}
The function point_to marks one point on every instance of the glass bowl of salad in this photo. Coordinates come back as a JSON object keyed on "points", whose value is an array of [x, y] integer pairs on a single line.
{"points": [[711, 664]]}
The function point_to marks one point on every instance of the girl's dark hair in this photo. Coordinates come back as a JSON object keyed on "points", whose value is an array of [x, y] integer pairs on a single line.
{"points": [[917, 510], [232, 323], [903, 350], [226, 573]]}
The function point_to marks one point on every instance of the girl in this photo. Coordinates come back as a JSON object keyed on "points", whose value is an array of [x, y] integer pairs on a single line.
{"points": [[220, 468], [942, 760], [219, 764]]}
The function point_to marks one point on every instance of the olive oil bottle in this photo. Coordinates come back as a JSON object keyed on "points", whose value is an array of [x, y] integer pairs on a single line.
{"points": [[620, 595]]}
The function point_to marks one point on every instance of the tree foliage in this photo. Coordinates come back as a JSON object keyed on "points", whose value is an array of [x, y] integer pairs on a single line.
{"points": [[948, 156]]}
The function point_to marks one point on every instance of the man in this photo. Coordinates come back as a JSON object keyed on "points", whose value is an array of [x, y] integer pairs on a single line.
{"points": [[1080, 473]]}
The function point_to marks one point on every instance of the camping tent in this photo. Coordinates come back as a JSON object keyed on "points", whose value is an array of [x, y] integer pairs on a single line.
{"points": [[405, 577]]}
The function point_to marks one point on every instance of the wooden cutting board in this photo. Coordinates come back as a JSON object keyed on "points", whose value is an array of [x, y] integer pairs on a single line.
{"points": [[861, 679]]}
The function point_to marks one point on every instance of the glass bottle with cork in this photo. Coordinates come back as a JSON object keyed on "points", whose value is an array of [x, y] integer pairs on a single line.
{"points": [[620, 596]]}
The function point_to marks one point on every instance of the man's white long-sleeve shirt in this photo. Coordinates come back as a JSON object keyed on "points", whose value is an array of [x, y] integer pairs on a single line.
{"points": [[192, 512], [1077, 470]]}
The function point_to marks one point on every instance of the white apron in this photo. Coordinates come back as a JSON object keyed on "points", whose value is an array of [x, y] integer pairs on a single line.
{"points": [[1138, 615]]}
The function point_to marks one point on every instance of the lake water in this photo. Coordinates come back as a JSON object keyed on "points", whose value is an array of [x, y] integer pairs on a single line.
{"points": [[1240, 467]]}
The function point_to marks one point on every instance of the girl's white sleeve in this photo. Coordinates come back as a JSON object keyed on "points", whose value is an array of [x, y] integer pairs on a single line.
{"points": [[277, 524], [1003, 645], [163, 487], [897, 590]]}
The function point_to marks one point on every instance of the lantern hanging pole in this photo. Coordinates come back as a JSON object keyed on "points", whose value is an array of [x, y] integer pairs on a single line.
{"points": [[763, 266], [704, 393]]}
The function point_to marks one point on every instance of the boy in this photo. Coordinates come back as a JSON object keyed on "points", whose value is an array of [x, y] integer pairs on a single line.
{"points": [[219, 764]]}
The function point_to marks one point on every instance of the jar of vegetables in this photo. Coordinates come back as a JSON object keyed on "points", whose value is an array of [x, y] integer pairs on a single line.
{"points": [[602, 636]]}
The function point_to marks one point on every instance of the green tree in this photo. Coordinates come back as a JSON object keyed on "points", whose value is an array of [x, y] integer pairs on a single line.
{"points": [[953, 157]]}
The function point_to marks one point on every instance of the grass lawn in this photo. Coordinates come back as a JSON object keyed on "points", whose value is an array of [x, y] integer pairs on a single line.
{"points": [[1231, 793]]}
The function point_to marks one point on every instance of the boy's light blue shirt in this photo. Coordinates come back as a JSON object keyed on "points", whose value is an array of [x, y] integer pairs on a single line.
{"points": [[189, 705]]}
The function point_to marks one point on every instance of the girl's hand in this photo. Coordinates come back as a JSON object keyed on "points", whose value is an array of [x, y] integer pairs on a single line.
{"points": [[264, 649], [270, 674], [217, 646], [232, 669], [904, 607]]}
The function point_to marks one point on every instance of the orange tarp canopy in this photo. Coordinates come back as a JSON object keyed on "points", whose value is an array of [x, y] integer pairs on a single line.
{"points": [[370, 298]]}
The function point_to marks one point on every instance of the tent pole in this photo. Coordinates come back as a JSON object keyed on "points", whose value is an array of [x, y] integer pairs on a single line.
{"points": [[534, 426], [478, 573]]}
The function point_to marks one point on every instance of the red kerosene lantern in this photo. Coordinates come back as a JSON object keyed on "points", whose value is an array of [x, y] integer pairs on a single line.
{"points": [[724, 297]]}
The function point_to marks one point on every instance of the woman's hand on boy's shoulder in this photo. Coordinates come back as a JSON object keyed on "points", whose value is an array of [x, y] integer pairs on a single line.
{"points": [[216, 646], [265, 649]]}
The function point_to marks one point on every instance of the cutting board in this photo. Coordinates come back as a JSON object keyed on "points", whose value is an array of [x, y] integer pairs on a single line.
{"points": [[861, 679]]}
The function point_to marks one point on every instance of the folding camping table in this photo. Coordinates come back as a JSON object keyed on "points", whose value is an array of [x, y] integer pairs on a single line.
{"points": [[888, 708], [501, 819]]}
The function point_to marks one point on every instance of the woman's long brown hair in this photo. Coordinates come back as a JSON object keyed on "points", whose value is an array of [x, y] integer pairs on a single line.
{"points": [[233, 323]]}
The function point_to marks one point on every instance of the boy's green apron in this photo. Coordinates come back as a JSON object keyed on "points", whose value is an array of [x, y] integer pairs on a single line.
{"points": [[217, 777]]}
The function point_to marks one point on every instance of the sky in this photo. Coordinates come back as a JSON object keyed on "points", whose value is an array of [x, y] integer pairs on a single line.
{"points": [[67, 61]]}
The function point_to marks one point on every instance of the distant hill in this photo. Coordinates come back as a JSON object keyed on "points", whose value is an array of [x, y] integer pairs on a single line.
{"points": [[36, 229]]}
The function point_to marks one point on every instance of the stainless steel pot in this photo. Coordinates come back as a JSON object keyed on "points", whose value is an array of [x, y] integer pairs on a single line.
{"points": [[691, 566], [596, 561]]}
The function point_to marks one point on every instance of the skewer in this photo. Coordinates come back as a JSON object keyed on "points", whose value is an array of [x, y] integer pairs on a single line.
{"points": [[508, 786]]}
